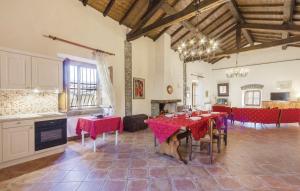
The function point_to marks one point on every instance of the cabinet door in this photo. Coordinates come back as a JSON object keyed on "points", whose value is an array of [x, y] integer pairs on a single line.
{"points": [[1, 142], [15, 71], [46, 74], [18, 142]]}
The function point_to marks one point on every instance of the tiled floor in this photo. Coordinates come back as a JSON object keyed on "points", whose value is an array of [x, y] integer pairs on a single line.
{"points": [[267, 159]]}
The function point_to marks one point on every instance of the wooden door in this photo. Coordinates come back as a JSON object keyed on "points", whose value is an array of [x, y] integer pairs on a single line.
{"points": [[15, 71]]}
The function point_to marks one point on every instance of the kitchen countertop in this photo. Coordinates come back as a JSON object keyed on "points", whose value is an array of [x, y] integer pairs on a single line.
{"points": [[20, 117]]}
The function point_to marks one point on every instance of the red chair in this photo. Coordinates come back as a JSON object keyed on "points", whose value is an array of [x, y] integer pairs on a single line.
{"points": [[290, 116]]}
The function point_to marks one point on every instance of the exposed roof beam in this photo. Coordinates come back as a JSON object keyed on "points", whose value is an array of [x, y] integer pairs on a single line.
{"points": [[145, 19], [282, 28], [256, 47], [108, 7], [186, 13], [199, 23], [84, 2], [128, 12], [166, 28], [288, 9], [236, 13]]}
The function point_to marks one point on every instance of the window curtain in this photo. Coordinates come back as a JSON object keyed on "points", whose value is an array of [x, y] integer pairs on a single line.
{"points": [[105, 81]]}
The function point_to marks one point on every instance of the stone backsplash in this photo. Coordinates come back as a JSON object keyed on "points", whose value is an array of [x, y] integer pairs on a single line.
{"points": [[14, 102]]}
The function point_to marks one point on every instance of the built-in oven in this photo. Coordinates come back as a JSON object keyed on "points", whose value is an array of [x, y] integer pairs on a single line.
{"points": [[50, 133]]}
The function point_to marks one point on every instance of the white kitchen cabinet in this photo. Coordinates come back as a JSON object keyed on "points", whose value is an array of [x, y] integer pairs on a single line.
{"points": [[15, 71], [1, 142], [46, 74], [18, 140]]}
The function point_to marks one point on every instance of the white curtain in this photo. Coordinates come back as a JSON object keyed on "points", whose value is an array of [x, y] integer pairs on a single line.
{"points": [[105, 81]]}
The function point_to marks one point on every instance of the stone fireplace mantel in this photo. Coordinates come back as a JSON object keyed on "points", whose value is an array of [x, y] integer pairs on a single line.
{"points": [[161, 106], [166, 101]]}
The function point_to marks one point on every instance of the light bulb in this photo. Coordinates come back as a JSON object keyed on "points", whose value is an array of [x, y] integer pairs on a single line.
{"points": [[183, 45], [211, 42], [193, 53], [208, 50], [192, 41], [203, 40]]}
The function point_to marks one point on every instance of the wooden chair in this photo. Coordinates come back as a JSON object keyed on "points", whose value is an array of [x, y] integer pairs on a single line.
{"points": [[207, 141]]}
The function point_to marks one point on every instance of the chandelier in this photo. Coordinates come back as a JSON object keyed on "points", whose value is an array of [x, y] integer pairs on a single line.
{"points": [[198, 46], [237, 72]]}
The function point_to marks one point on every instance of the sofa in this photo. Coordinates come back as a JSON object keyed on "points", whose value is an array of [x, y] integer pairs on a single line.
{"points": [[135, 123], [290, 116]]}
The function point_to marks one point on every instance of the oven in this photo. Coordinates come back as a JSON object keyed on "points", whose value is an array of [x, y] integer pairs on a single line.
{"points": [[50, 133]]}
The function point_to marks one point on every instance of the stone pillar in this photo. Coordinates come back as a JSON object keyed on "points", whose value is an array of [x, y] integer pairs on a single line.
{"points": [[184, 84], [128, 77]]}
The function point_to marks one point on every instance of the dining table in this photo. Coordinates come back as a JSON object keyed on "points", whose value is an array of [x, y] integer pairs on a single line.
{"points": [[169, 129], [99, 126]]}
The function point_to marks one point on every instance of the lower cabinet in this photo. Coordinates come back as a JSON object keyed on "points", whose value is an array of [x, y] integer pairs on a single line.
{"points": [[1, 143], [17, 142]]}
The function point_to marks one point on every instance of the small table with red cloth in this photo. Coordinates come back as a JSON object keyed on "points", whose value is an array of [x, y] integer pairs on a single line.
{"points": [[97, 126], [164, 127]]}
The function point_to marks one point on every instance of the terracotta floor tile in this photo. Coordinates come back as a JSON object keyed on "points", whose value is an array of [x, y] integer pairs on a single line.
{"points": [[137, 185], [274, 181], [97, 174], [207, 183], [91, 186], [158, 172], [265, 159], [229, 182], [184, 184], [138, 163], [117, 173], [138, 173], [70, 186], [114, 185], [161, 185], [75, 176]]}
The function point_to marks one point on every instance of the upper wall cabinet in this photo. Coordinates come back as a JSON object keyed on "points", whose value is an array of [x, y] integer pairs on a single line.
{"points": [[25, 71], [46, 74], [15, 71]]}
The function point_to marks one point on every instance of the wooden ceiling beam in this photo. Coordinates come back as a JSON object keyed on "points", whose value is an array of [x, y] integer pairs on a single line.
{"points": [[197, 25], [225, 32], [268, 5], [128, 12], [236, 13], [259, 46], [166, 28], [282, 28], [84, 2], [108, 7], [288, 9], [186, 13], [144, 20]]}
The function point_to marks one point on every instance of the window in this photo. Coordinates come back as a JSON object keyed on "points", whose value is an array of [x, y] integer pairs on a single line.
{"points": [[252, 97], [82, 85]]}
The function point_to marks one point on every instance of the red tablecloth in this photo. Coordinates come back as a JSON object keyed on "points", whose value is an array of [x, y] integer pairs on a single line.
{"points": [[96, 126], [164, 127]]}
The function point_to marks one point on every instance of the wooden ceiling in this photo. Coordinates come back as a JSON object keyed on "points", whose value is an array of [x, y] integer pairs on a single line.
{"points": [[263, 23]]}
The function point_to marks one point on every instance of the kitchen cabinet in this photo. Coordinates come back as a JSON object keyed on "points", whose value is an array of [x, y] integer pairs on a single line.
{"points": [[1, 142], [46, 74], [17, 139], [15, 71]]}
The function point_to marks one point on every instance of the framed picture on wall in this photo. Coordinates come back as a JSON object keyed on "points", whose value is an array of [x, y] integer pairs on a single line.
{"points": [[223, 90], [138, 88]]}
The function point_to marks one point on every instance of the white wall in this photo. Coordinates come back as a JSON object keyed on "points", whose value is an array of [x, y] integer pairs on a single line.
{"points": [[204, 84], [267, 75], [24, 22]]}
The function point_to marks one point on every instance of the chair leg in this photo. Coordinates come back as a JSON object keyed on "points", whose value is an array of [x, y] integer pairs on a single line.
{"points": [[219, 144], [190, 147]]}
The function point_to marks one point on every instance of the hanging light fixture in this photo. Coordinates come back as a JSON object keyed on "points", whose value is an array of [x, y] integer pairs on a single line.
{"points": [[237, 72], [199, 45]]}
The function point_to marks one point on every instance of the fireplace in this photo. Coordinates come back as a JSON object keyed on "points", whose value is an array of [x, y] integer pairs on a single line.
{"points": [[50, 133], [163, 106]]}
